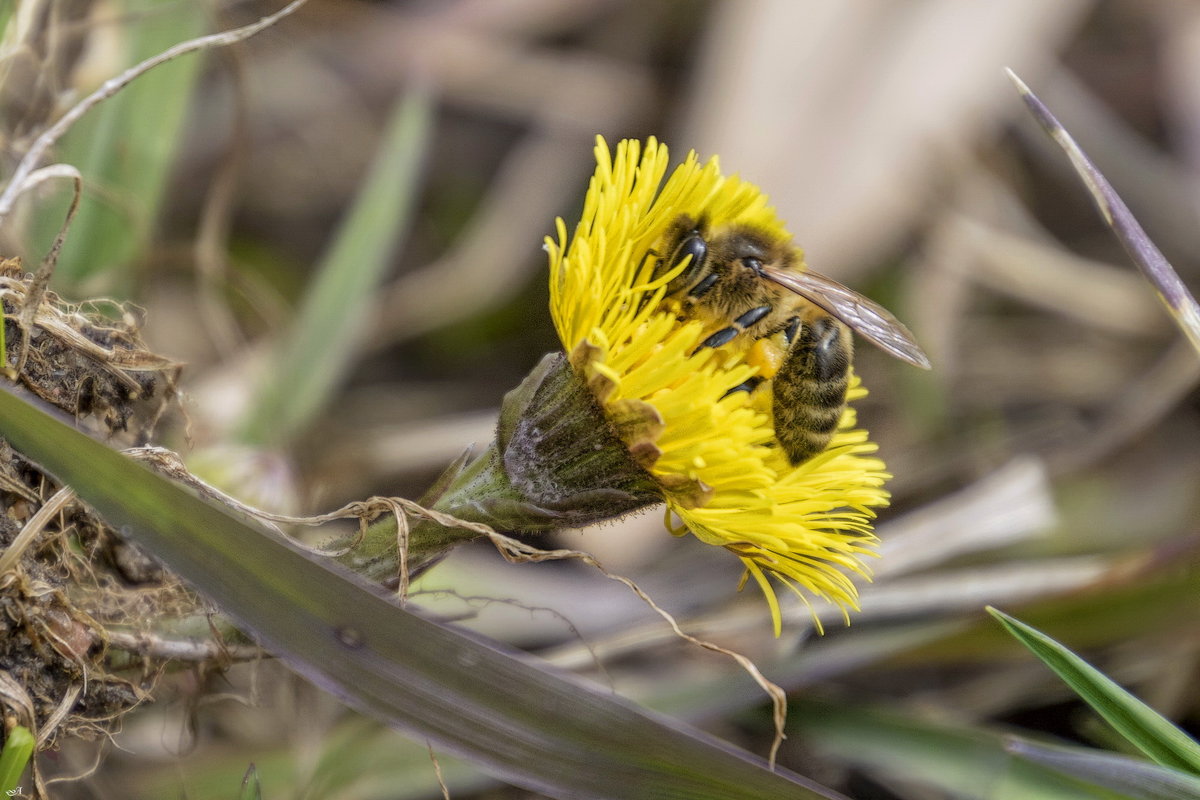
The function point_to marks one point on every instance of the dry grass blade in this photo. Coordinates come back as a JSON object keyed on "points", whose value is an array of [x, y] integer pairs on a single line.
{"points": [[41, 278], [1116, 214], [518, 552], [36, 524], [1128, 776]]}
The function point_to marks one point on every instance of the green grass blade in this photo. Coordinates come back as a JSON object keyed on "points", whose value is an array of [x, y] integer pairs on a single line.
{"points": [[18, 748], [959, 762], [517, 718], [1141, 725], [125, 150], [337, 307], [251, 788], [1130, 776]]}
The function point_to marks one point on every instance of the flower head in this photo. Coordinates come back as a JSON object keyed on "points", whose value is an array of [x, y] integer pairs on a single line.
{"points": [[711, 451]]}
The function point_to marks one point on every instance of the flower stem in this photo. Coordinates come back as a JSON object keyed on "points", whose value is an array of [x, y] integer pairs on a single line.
{"points": [[555, 463]]}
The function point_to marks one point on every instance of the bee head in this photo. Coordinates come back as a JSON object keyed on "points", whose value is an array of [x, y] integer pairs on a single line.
{"points": [[749, 249]]}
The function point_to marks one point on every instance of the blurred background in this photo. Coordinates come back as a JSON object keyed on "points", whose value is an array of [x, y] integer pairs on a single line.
{"points": [[1047, 465]]}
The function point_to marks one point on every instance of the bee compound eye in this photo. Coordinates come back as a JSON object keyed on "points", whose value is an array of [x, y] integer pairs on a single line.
{"points": [[693, 246]]}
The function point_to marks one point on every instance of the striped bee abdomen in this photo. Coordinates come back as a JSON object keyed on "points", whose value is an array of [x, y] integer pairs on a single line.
{"points": [[809, 392]]}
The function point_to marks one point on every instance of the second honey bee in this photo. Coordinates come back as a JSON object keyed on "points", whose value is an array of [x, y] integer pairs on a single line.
{"points": [[753, 283]]}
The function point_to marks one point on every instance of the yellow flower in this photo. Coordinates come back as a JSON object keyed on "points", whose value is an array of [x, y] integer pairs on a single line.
{"points": [[710, 451]]}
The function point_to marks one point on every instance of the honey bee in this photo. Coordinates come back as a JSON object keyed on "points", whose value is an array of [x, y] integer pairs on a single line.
{"points": [[754, 283]]}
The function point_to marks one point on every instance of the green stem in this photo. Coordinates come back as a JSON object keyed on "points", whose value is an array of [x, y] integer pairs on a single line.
{"points": [[376, 555], [556, 463]]}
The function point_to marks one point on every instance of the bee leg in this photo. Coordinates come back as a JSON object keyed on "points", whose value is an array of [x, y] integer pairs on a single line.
{"points": [[748, 385], [701, 288], [809, 392], [727, 335], [723, 336], [791, 329]]}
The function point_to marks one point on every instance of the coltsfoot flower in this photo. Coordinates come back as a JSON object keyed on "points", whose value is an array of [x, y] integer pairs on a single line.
{"points": [[711, 450], [645, 408]]}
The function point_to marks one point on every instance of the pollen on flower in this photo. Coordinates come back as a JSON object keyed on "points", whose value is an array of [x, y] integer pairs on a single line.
{"points": [[710, 448]]}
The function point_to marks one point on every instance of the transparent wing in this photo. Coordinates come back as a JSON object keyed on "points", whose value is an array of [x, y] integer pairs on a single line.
{"points": [[867, 318]]}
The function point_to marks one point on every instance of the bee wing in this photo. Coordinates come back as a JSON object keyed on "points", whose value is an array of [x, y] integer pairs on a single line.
{"points": [[869, 319]]}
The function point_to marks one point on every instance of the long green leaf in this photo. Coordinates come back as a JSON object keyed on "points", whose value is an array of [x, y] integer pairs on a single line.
{"points": [[361, 760], [517, 718], [1144, 727], [1133, 777], [338, 305], [18, 747]]}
